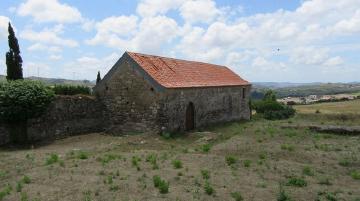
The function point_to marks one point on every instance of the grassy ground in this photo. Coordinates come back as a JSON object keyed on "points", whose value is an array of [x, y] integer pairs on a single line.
{"points": [[348, 107], [254, 160]]}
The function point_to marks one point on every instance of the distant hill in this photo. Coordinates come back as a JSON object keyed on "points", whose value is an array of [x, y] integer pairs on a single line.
{"points": [[53, 81], [306, 89]]}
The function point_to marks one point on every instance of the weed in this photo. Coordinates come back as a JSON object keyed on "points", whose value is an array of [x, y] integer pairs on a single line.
{"points": [[237, 196], [19, 186], [208, 188], [205, 148], [6, 191], [262, 156], [83, 155], [108, 158], [24, 197], [230, 160], [162, 185], [3, 174], [298, 182], [26, 179], [53, 158], [87, 196], [205, 174], [135, 161], [152, 159], [247, 163], [344, 162], [114, 188], [109, 179], [283, 196], [287, 147], [355, 174], [177, 164], [308, 171]]}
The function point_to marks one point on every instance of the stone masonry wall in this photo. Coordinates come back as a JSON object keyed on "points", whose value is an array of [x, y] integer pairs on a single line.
{"points": [[65, 116], [212, 105], [131, 101]]}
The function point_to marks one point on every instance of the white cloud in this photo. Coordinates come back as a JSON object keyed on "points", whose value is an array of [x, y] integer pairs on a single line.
{"points": [[48, 36], [125, 33], [86, 67], [309, 55], [55, 57], [150, 8], [334, 61], [36, 69], [260, 61], [111, 29], [49, 11], [4, 23], [199, 11]]}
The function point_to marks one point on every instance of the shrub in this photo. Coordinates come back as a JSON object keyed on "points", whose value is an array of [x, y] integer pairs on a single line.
{"points": [[230, 160], [83, 155], [208, 188], [21, 100], [237, 196], [156, 180], [271, 109], [298, 182], [71, 90], [177, 164]]}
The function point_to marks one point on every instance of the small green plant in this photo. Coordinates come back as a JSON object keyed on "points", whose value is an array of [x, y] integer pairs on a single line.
{"points": [[5, 192], [107, 158], [205, 148], [177, 164], [308, 171], [53, 158], [162, 185], [283, 196], [205, 174], [208, 188], [26, 179], [295, 181], [83, 155], [355, 174], [87, 196], [344, 162], [247, 163], [152, 159], [19, 186], [230, 160], [287, 147], [237, 196], [24, 197]]}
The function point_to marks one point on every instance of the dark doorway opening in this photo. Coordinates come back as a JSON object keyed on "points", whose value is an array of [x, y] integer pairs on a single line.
{"points": [[190, 117]]}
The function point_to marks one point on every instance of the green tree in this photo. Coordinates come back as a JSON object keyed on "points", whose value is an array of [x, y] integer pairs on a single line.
{"points": [[98, 78], [270, 95], [13, 58], [21, 100]]}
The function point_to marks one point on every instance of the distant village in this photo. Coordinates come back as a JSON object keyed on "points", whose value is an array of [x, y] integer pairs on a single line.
{"points": [[317, 99]]}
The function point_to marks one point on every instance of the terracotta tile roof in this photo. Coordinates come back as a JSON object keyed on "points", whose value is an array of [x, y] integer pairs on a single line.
{"points": [[176, 73]]}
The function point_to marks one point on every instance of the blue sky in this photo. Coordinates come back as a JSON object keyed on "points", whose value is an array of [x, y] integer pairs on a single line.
{"points": [[272, 40]]}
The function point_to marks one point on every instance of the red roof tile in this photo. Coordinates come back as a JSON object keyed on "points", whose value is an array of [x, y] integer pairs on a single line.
{"points": [[176, 73]]}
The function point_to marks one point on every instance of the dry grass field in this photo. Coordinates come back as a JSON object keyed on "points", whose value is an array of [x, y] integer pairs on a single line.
{"points": [[254, 160], [348, 107]]}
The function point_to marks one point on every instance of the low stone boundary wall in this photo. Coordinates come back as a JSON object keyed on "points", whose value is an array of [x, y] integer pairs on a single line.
{"points": [[65, 116]]}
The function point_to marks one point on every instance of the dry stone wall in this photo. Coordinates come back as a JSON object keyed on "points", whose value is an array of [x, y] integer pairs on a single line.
{"points": [[65, 116]]}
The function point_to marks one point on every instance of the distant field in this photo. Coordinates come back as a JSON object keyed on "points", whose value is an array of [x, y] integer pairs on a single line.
{"points": [[352, 107]]}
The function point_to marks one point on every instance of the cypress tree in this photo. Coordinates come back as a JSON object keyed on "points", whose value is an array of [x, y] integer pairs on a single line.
{"points": [[13, 58], [98, 79]]}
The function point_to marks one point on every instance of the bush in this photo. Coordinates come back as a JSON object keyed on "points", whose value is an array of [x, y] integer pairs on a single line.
{"points": [[71, 90], [271, 109], [177, 164], [21, 100], [208, 188], [298, 182]]}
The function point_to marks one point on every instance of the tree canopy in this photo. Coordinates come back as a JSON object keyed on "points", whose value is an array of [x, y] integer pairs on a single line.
{"points": [[13, 58]]}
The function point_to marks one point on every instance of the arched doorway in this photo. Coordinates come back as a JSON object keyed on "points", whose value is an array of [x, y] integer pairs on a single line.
{"points": [[190, 117]]}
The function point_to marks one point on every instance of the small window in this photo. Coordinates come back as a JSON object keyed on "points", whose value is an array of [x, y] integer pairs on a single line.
{"points": [[243, 93]]}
